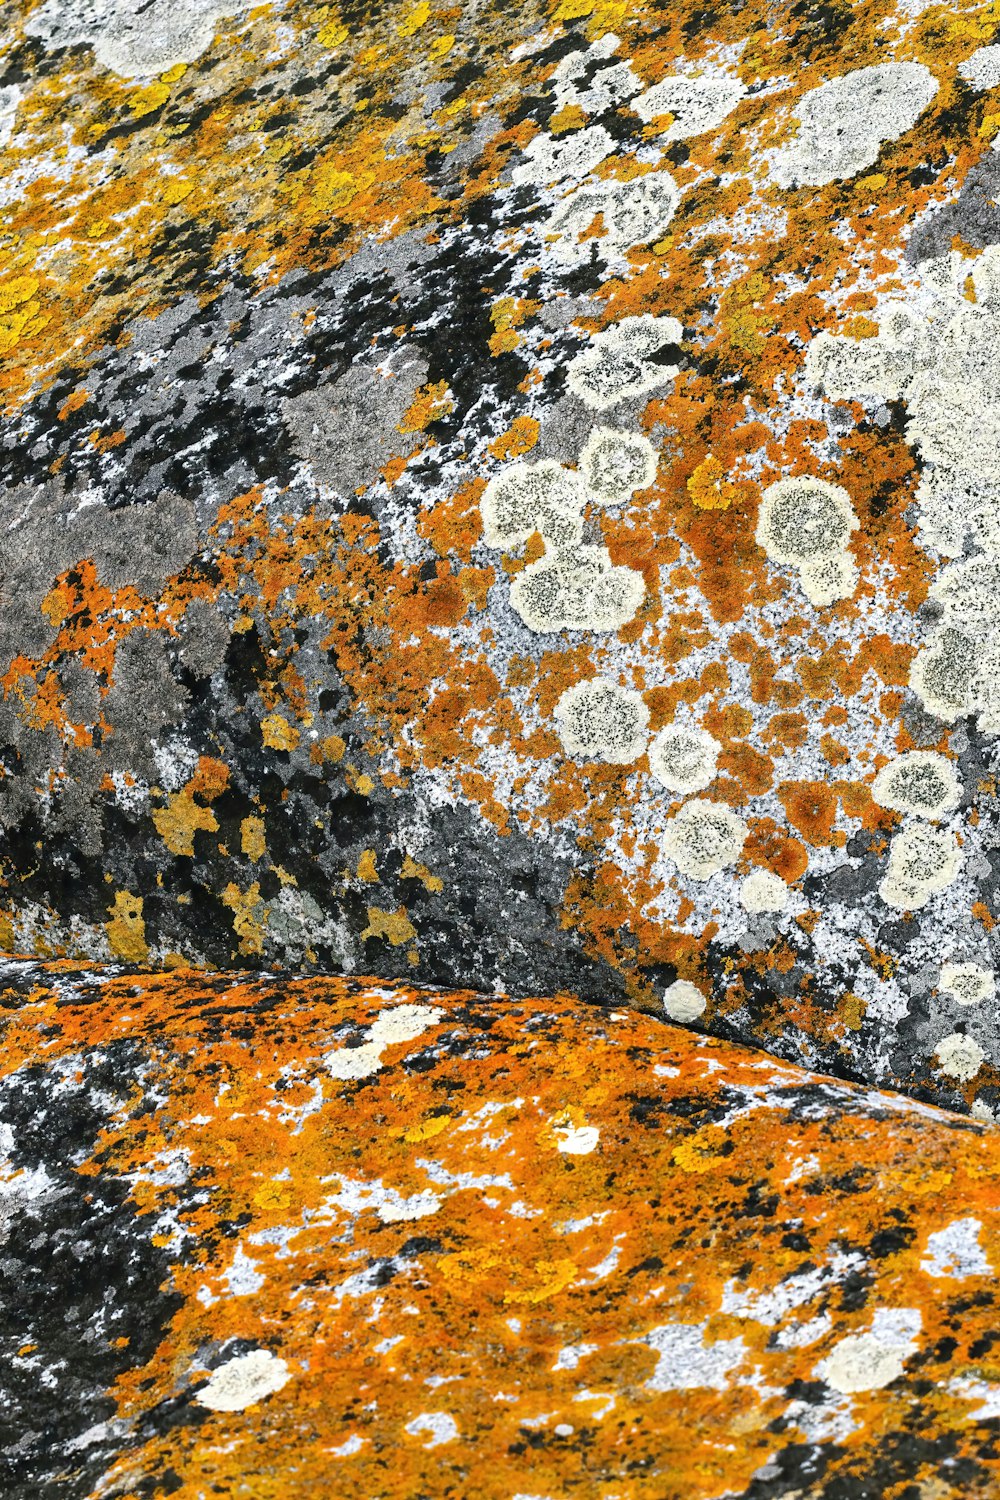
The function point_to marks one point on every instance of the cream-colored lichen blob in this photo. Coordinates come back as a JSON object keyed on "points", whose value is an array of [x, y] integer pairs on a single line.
{"points": [[683, 1001], [702, 838], [620, 361], [615, 465], [683, 758], [600, 720], [244, 1381], [967, 983], [763, 891], [922, 861], [843, 124], [920, 782], [959, 1056]]}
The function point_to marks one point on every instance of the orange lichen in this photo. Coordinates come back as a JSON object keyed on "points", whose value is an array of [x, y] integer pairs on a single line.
{"points": [[811, 807], [179, 821], [482, 1211]]}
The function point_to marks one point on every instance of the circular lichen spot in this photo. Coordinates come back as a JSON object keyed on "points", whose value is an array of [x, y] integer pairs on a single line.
{"points": [[703, 838], [967, 983], [601, 720], [921, 782], [684, 759], [803, 520], [683, 1001], [959, 1057], [616, 464]]}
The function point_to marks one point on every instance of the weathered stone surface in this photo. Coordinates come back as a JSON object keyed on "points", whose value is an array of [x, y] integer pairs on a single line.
{"points": [[273, 1237], [291, 297]]}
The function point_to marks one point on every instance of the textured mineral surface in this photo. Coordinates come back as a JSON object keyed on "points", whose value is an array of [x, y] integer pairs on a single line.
{"points": [[497, 502], [324, 1237], [508, 496]]}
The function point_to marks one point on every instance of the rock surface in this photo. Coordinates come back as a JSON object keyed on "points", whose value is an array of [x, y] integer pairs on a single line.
{"points": [[312, 1236], [502, 501], [701, 319], [287, 293]]}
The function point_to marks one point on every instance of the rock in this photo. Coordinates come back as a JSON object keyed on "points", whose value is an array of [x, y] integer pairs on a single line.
{"points": [[286, 293], [282, 1233]]}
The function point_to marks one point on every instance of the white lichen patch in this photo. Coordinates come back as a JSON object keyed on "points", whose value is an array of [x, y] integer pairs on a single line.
{"points": [[943, 675], [615, 465], [703, 838], [683, 1001], [244, 1381], [865, 1362], [355, 1062], [763, 891], [403, 1023], [807, 523], [959, 1057], [439, 1427], [829, 579], [981, 70], [576, 1140], [553, 159], [968, 983], [939, 353], [696, 104], [577, 589], [955, 1251], [400, 1023], [843, 124], [600, 720], [969, 593], [683, 759], [133, 41], [922, 861], [921, 782], [631, 213], [580, 81], [687, 1361], [620, 362], [543, 497]]}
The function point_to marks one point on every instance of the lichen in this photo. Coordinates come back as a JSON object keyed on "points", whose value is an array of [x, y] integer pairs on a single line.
{"points": [[616, 464], [763, 891], [683, 1002], [549, 159], [244, 1381], [632, 212], [943, 675], [921, 782], [703, 838], [843, 124], [163, 35], [577, 588], [620, 362], [600, 720], [960, 1056], [967, 983], [981, 70], [804, 521], [696, 103], [684, 759], [525, 498], [922, 861]]}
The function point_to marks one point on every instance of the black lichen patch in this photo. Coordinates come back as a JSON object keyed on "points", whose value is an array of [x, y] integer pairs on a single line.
{"points": [[84, 1294]]}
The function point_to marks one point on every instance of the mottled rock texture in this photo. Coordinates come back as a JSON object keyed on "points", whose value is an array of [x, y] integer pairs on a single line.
{"points": [[284, 288], [287, 1237]]}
